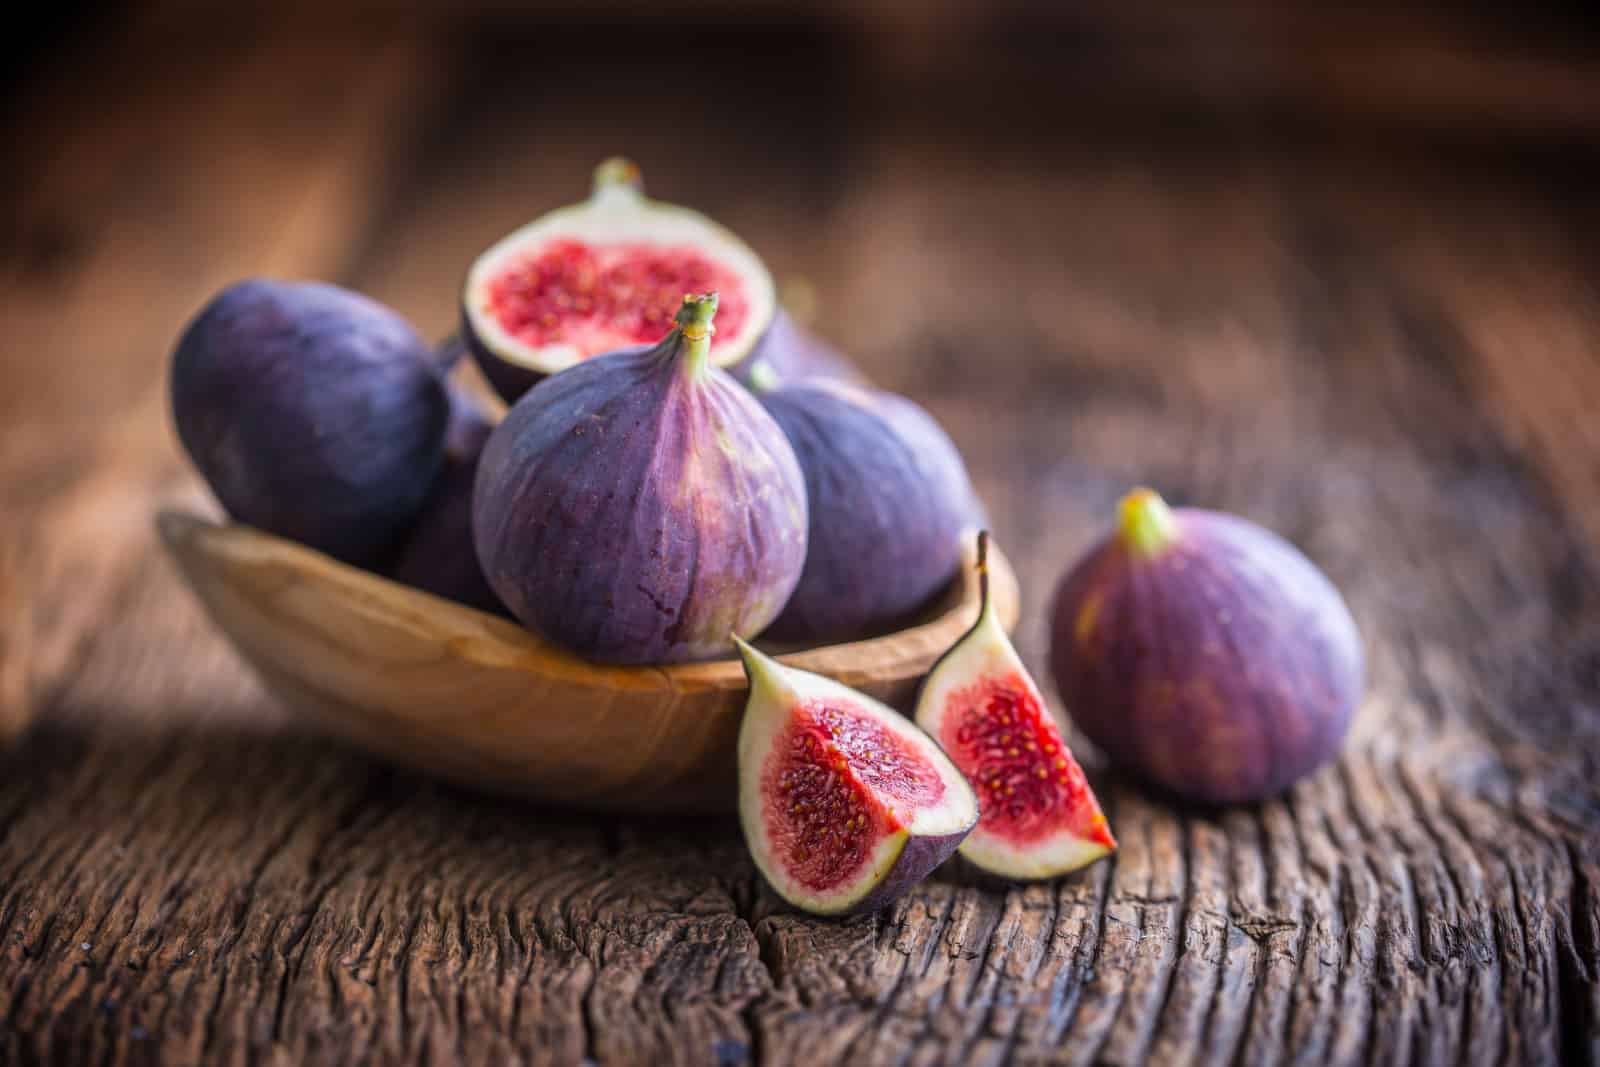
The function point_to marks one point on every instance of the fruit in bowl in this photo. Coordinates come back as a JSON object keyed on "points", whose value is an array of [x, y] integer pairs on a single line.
{"points": [[633, 510], [437, 554], [641, 506], [889, 500], [313, 412]]}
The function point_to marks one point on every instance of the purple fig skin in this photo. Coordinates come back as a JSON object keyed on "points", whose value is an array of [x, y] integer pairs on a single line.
{"points": [[917, 860], [510, 380], [438, 555], [507, 379], [793, 353], [641, 507], [940, 459], [469, 426], [1206, 654], [313, 412], [887, 509]]}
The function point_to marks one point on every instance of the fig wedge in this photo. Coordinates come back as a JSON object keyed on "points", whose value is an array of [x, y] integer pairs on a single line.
{"points": [[1040, 818], [845, 803]]}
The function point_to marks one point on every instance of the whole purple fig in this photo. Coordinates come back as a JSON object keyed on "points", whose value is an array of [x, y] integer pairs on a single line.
{"points": [[437, 555], [313, 412], [1205, 653], [640, 507], [889, 499]]}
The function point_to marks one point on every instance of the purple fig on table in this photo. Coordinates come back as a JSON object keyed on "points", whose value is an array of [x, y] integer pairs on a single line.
{"points": [[1205, 654]]}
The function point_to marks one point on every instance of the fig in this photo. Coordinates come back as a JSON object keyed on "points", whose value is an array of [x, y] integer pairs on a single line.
{"points": [[642, 506], [603, 275], [888, 508], [313, 412], [844, 802], [937, 455], [1040, 818], [438, 556], [1205, 653]]}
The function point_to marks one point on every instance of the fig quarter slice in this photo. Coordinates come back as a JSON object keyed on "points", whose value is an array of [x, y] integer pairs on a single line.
{"points": [[1040, 818], [845, 803]]}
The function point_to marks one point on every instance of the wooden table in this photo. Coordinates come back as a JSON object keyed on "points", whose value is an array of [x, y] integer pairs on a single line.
{"points": [[1386, 347]]}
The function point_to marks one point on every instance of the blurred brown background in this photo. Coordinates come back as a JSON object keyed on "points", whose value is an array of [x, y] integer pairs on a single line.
{"points": [[1334, 269]]}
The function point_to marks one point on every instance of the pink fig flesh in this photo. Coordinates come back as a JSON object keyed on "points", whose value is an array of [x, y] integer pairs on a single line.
{"points": [[1040, 817], [845, 803]]}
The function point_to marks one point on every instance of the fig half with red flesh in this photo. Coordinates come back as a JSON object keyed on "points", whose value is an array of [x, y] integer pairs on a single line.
{"points": [[845, 803], [1040, 818], [603, 275]]}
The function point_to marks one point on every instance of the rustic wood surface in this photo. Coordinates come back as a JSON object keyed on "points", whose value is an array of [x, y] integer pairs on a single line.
{"points": [[1386, 347]]}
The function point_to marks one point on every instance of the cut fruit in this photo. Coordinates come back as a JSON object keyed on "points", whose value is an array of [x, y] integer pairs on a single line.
{"points": [[606, 274], [1040, 818], [845, 803]]}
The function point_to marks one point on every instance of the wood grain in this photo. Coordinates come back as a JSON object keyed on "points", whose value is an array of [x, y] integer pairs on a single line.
{"points": [[1380, 354]]}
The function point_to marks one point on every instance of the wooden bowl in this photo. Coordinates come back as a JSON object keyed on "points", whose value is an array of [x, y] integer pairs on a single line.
{"points": [[478, 700]]}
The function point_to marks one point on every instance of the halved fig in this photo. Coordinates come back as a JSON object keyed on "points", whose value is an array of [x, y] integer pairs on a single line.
{"points": [[607, 274], [845, 803], [1040, 818]]}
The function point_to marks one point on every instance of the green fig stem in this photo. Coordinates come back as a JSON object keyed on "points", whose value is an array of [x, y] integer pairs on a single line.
{"points": [[1145, 525], [695, 326], [618, 177]]}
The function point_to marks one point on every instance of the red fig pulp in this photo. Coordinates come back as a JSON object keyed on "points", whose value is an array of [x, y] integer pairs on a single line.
{"points": [[604, 275], [642, 506], [1040, 818], [845, 803]]}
